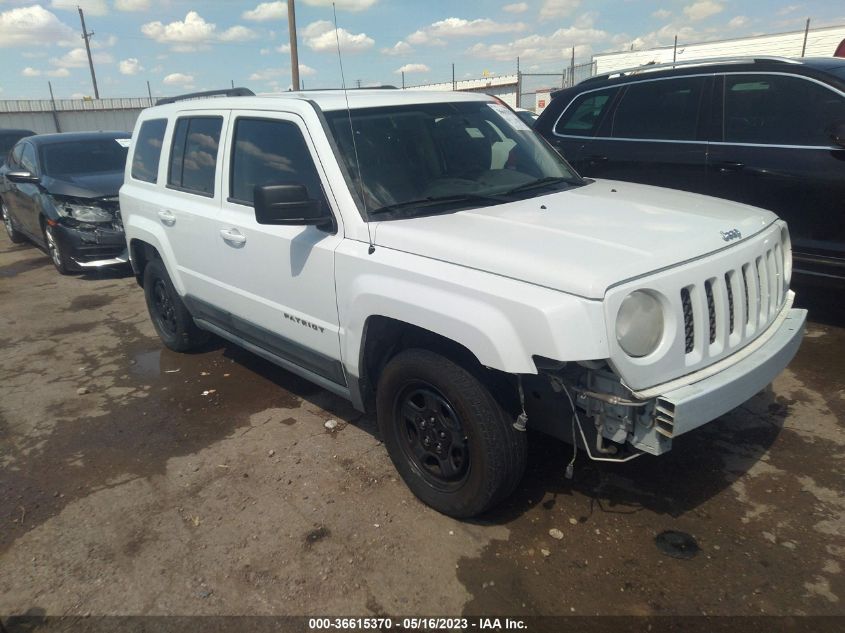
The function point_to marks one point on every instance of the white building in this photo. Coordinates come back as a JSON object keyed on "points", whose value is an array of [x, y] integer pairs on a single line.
{"points": [[502, 86], [821, 42]]}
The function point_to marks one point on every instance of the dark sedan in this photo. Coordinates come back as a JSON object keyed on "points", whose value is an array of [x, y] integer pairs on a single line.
{"points": [[60, 191]]}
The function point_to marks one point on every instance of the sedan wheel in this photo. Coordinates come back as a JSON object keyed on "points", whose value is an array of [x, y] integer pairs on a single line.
{"points": [[54, 249], [11, 231]]}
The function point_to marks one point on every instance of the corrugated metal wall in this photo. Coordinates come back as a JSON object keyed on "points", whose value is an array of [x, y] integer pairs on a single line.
{"points": [[72, 115], [820, 43]]}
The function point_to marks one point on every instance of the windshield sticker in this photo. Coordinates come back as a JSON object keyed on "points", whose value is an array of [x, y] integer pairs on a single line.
{"points": [[508, 115], [123, 142], [474, 132]]}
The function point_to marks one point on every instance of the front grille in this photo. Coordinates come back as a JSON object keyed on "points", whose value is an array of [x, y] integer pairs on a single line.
{"points": [[736, 304], [711, 309], [689, 329]]}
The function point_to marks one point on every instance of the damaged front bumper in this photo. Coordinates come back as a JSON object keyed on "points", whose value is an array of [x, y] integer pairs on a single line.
{"points": [[92, 246], [650, 419]]}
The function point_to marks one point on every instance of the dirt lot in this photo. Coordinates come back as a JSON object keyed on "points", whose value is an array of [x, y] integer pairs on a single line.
{"points": [[138, 481]]}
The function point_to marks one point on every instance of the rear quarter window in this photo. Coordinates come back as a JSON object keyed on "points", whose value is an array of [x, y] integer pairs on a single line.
{"points": [[147, 153]]}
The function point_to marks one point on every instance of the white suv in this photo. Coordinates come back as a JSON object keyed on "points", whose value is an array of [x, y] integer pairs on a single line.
{"points": [[427, 255]]}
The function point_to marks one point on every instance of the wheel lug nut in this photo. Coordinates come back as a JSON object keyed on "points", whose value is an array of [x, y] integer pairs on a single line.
{"points": [[442, 435]]}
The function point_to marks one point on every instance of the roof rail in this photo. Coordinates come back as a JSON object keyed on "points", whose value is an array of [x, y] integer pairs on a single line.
{"points": [[695, 62], [227, 92]]}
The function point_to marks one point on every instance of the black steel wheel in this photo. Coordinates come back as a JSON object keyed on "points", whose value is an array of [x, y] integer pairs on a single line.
{"points": [[432, 436], [450, 440], [172, 321], [14, 235]]}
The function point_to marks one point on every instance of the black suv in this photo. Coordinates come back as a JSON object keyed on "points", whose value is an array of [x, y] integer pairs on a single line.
{"points": [[768, 132]]}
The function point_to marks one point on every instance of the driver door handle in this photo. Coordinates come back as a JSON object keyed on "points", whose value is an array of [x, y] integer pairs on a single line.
{"points": [[233, 237], [729, 166], [166, 217]]}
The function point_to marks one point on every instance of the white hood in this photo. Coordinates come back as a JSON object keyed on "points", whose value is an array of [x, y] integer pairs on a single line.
{"points": [[584, 240]]}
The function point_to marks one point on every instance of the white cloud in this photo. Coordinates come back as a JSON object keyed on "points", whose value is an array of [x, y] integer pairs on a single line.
{"points": [[661, 14], [544, 47], [702, 9], [399, 48], [130, 66], [58, 72], [283, 48], [24, 25], [179, 79], [558, 8], [738, 22], [194, 33], [91, 7], [320, 36], [458, 27], [343, 5], [412, 68], [516, 7], [78, 58], [267, 11], [238, 33], [791, 8], [132, 5], [30, 72], [272, 74]]}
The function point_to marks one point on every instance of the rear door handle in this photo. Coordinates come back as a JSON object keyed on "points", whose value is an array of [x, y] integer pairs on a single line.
{"points": [[233, 237], [166, 217], [729, 166]]}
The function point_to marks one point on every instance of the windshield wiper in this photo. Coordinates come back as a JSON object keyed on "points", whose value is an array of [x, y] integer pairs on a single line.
{"points": [[433, 201], [540, 182]]}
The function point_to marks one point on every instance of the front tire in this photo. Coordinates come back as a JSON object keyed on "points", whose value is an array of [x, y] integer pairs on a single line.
{"points": [[450, 440], [57, 252], [14, 235], [170, 317]]}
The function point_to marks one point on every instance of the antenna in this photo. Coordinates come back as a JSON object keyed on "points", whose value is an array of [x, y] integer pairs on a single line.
{"points": [[372, 246]]}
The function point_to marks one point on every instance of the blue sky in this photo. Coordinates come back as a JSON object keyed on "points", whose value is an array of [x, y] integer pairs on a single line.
{"points": [[183, 45]]}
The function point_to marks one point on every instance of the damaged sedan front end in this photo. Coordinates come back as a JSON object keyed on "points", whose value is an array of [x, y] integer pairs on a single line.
{"points": [[90, 230]]}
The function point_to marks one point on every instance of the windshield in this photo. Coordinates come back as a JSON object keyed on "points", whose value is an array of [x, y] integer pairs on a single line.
{"points": [[441, 157], [77, 158]]}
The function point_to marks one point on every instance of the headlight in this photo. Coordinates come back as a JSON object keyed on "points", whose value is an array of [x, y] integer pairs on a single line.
{"points": [[639, 324], [84, 213]]}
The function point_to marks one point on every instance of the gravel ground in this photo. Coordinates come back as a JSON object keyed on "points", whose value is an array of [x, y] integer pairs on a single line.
{"points": [[138, 481]]}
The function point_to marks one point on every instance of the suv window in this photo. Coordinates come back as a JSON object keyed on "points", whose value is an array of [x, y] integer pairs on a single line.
{"points": [[193, 156], [778, 110], [584, 115], [147, 152], [28, 160], [665, 109], [270, 152]]}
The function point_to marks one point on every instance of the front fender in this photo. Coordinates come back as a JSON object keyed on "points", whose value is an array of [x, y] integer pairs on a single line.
{"points": [[503, 322], [140, 228]]}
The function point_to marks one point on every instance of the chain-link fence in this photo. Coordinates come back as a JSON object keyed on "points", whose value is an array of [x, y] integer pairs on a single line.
{"points": [[534, 89]]}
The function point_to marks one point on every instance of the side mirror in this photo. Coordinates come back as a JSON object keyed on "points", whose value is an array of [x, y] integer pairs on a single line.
{"points": [[289, 205], [21, 176], [837, 133]]}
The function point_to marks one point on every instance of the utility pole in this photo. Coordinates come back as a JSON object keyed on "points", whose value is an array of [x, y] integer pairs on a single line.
{"points": [[453, 77], [150, 93], [294, 56], [55, 114], [518, 84], [675, 51], [403, 80], [358, 83], [572, 68], [87, 37]]}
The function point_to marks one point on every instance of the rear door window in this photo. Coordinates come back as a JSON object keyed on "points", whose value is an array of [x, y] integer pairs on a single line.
{"points": [[147, 153], [584, 114], [664, 109], [193, 156], [779, 110]]}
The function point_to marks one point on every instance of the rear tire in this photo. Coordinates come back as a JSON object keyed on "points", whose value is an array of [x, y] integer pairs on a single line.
{"points": [[450, 440], [171, 319], [14, 235]]}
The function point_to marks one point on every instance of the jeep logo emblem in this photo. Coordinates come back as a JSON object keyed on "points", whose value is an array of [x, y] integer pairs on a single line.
{"points": [[732, 234]]}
